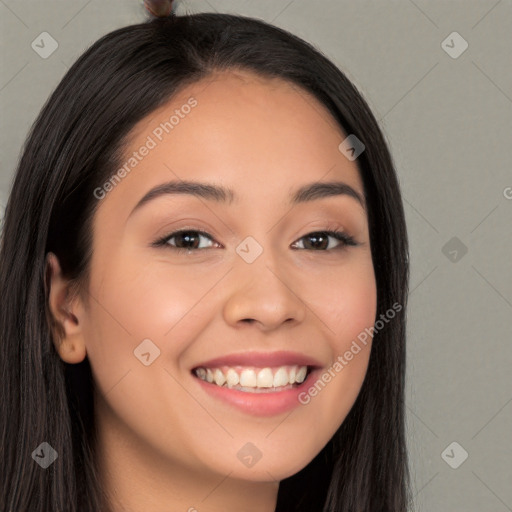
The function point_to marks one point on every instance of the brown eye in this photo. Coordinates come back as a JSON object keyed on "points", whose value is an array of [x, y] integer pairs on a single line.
{"points": [[184, 240], [319, 240]]}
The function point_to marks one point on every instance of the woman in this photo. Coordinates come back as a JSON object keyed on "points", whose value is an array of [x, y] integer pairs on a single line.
{"points": [[204, 272]]}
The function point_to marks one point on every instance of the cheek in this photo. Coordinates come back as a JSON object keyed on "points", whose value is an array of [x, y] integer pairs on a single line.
{"points": [[346, 302], [131, 304], [133, 301], [148, 301], [345, 299]]}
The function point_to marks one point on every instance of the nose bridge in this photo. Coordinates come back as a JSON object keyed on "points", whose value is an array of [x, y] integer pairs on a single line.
{"points": [[261, 289], [262, 275]]}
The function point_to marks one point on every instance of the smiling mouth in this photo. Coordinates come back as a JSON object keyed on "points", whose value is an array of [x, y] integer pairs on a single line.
{"points": [[252, 379]]}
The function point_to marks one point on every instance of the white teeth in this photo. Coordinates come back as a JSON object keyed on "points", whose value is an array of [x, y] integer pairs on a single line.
{"points": [[253, 378], [280, 378], [219, 377], [248, 378], [301, 374], [232, 378], [265, 378]]}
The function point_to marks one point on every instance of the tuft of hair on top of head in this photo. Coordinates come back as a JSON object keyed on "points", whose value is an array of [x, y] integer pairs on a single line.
{"points": [[160, 8]]}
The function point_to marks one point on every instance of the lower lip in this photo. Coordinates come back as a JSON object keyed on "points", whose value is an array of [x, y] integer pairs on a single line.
{"points": [[260, 404]]}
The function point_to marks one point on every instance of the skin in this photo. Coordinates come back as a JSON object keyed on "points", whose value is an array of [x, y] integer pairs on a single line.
{"points": [[164, 443]]}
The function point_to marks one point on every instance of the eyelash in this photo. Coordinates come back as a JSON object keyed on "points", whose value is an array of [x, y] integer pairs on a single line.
{"points": [[341, 236]]}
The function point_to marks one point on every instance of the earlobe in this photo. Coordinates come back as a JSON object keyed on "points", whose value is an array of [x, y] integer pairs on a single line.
{"points": [[65, 313]]}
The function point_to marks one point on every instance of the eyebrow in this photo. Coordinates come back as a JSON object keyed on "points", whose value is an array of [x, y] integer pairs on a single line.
{"points": [[220, 194]]}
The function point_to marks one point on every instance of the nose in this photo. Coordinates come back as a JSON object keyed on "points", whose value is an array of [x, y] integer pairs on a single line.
{"points": [[263, 296]]}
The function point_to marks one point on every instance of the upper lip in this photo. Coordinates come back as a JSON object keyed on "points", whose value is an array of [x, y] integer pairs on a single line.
{"points": [[261, 359]]}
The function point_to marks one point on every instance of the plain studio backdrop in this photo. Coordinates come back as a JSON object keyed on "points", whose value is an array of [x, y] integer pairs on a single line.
{"points": [[437, 76]]}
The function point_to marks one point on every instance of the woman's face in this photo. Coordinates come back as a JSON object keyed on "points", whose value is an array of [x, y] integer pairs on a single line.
{"points": [[261, 277]]}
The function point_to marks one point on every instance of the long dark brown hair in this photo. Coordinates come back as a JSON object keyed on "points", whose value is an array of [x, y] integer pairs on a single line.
{"points": [[74, 146]]}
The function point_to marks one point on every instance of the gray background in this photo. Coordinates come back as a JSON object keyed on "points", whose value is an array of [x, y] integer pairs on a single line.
{"points": [[448, 122]]}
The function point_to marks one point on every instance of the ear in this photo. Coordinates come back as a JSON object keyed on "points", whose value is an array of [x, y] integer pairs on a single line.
{"points": [[67, 314]]}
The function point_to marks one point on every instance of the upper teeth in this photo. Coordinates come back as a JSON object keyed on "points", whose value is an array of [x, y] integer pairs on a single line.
{"points": [[253, 377]]}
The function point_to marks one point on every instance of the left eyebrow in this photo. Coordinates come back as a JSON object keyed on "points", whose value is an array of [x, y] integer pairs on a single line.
{"points": [[320, 190], [310, 192]]}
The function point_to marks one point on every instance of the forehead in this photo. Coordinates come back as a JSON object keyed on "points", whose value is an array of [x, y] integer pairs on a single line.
{"points": [[261, 137]]}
